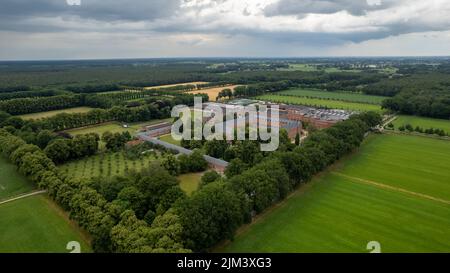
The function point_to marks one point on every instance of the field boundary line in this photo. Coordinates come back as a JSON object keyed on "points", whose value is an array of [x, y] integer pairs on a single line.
{"points": [[384, 186], [22, 196]]}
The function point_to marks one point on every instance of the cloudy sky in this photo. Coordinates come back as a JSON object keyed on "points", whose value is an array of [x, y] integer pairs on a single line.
{"points": [[78, 29]]}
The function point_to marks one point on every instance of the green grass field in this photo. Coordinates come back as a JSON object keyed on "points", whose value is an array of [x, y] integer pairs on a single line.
{"points": [[343, 96], [190, 182], [334, 104], [424, 123], [115, 127], [168, 138], [36, 224], [105, 165], [335, 213], [55, 112], [417, 164], [11, 182]]}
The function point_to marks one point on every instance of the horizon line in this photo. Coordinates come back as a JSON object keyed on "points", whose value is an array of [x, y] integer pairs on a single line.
{"points": [[227, 57]]}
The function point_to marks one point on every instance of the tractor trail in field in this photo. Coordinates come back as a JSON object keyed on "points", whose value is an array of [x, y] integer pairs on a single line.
{"points": [[384, 186], [22, 196]]}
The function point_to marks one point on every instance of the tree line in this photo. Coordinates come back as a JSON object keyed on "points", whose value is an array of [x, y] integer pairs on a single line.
{"points": [[113, 226], [29, 94], [147, 212], [217, 209], [28, 105]]}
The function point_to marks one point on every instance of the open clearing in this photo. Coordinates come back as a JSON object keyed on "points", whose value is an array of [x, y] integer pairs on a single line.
{"points": [[343, 96], [190, 182], [424, 123], [105, 165], [36, 224], [213, 92], [55, 112], [321, 103], [168, 138], [172, 85], [11, 182], [115, 127], [337, 212]]}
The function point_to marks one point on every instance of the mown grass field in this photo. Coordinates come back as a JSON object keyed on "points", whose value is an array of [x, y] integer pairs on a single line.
{"points": [[335, 213], [105, 165], [55, 112], [423, 122], [11, 182], [344, 96], [36, 224], [321, 103], [190, 182], [417, 164], [115, 127]]}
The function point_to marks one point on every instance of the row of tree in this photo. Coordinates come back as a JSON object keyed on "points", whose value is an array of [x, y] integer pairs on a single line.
{"points": [[40, 104], [430, 131], [216, 210], [114, 225], [29, 94]]}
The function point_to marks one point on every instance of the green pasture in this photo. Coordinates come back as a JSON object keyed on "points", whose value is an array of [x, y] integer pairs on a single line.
{"points": [[384, 193], [11, 182], [55, 112], [321, 103], [343, 96], [35, 224], [423, 122]]}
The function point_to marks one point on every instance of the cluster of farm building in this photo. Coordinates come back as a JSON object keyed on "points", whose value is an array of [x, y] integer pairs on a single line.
{"points": [[290, 117]]}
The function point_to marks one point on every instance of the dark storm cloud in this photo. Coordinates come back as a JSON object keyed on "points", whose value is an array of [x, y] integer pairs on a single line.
{"points": [[302, 7], [14, 14]]}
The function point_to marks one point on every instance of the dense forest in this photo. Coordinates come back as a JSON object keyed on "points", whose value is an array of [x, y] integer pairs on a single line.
{"points": [[413, 86]]}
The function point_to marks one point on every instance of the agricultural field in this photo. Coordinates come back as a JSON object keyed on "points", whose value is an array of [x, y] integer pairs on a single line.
{"points": [[36, 224], [213, 92], [55, 112], [388, 192], [11, 182], [413, 163], [172, 85], [105, 165], [321, 103], [190, 182], [423, 122], [342, 96]]}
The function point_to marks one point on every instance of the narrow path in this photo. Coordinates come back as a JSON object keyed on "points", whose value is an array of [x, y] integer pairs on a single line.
{"points": [[21, 196], [389, 121], [384, 186]]}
